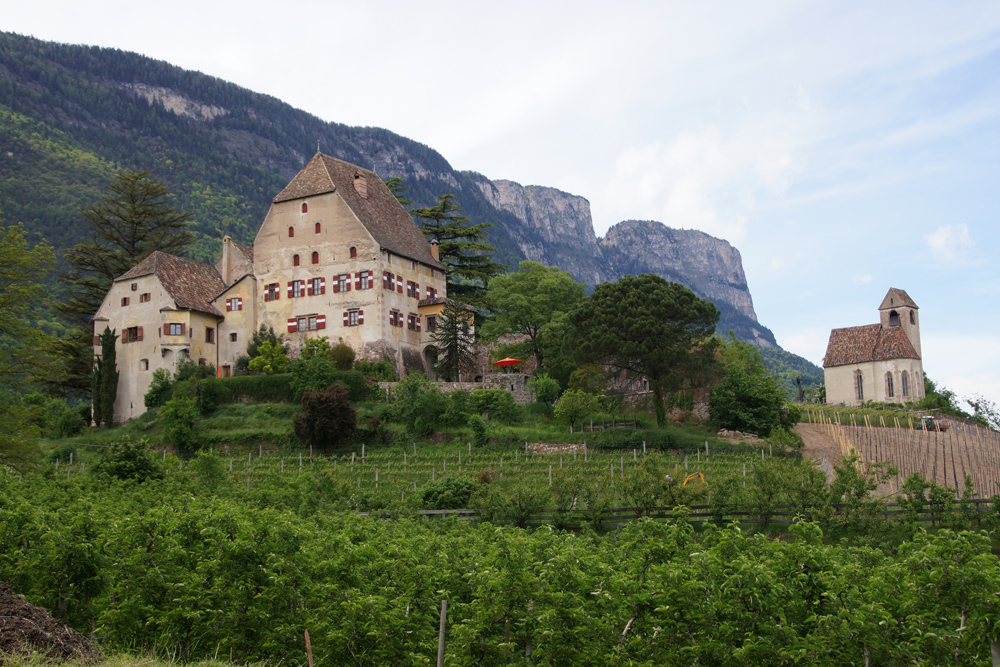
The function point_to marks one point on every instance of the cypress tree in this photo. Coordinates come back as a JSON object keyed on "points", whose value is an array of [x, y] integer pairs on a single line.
{"points": [[109, 376], [95, 393]]}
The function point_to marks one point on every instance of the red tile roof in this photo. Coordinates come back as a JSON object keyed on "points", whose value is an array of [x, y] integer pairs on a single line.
{"points": [[872, 342], [192, 285], [381, 214]]}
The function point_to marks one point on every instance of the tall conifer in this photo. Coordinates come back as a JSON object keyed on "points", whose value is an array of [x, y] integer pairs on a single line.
{"points": [[109, 376]]}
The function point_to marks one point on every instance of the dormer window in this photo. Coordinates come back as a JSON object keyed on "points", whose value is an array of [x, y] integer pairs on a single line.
{"points": [[319, 227], [361, 185], [305, 207], [291, 232], [354, 253], [295, 260]]}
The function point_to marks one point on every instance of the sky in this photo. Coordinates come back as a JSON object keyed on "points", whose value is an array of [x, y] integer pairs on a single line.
{"points": [[842, 147]]}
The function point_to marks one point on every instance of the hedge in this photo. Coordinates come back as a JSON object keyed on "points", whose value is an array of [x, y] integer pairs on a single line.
{"points": [[259, 388]]}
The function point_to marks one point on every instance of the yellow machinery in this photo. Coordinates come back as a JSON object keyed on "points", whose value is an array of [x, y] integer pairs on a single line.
{"points": [[695, 476]]}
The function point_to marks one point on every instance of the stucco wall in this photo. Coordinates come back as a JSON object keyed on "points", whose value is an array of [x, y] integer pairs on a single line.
{"points": [[840, 382]]}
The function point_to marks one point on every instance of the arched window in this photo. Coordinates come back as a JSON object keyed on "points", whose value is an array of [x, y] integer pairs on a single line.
{"points": [[354, 252], [319, 228], [913, 320], [859, 389], [315, 257], [305, 207], [291, 232], [295, 260], [906, 384], [894, 319], [889, 392]]}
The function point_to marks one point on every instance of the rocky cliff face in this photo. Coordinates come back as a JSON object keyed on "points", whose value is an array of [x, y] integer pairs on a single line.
{"points": [[556, 228]]}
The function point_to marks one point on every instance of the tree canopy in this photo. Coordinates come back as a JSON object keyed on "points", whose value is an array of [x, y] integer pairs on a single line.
{"points": [[645, 326], [453, 339], [462, 247], [749, 398]]}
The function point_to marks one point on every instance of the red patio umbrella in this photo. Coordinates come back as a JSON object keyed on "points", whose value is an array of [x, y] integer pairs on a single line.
{"points": [[507, 362]]}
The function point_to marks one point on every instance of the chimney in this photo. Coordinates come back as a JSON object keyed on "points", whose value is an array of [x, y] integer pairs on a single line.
{"points": [[226, 249], [434, 249]]}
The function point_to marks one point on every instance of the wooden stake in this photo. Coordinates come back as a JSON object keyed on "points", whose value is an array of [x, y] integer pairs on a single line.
{"points": [[444, 620], [309, 649]]}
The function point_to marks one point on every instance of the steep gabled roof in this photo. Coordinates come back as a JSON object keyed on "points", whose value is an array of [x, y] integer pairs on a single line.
{"points": [[245, 250], [895, 298], [381, 214], [872, 342], [192, 285]]}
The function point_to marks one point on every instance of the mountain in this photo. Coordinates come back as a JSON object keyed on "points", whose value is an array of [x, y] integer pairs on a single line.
{"points": [[70, 115]]}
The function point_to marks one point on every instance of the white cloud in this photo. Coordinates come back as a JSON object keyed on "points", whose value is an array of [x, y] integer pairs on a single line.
{"points": [[867, 278], [948, 242], [809, 343]]}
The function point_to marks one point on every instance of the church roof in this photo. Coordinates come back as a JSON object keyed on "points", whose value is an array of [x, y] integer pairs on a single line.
{"points": [[192, 285], [381, 214], [895, 298], [872, 342]]}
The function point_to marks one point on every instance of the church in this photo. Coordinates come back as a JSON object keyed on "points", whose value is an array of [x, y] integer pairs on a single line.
{"points": [[877, 362], [336, 256]]}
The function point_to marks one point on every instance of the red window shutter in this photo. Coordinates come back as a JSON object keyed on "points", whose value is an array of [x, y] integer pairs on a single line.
{"points": [[315, 258], [267, 293], [140, 334], [291, 232], [361, 317], [309, 288], [385, 279], [290, 290], [416, 290], [418, 323], [229, 305], [347, 282], [322, 285], [357, 281], [159, 331], [97, 340], [399, 284], [371, 278], [336, 285], [239, 303], [295, 260], [345, 320], [293, 325], [182, 328], [321, 321]]}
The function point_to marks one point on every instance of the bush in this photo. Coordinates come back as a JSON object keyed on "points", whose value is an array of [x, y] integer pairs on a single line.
{"points": [[130, 460], [61, 453], [448, 493], [747, 402], [161, 388], [497, 404], [271, 359], [178, 417], [480, 434], [382, 370], [575, 405], [259, 388], [342, 356], [327, 418]]}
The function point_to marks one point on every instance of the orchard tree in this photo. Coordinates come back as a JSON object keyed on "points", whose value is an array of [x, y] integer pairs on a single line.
{"points": [[461, 246], [646, 326], [528, 302]]}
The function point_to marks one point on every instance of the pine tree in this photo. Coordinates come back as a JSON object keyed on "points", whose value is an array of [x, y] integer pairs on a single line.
{"points": [[461, 246], [109, 376], [397, 189], [453, 337]]}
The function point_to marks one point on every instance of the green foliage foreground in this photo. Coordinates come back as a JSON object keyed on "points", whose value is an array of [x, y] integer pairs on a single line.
{"points": [[169, 567]]}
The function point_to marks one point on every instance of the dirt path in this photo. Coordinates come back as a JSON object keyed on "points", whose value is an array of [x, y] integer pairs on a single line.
{"points": [[818, 442]]}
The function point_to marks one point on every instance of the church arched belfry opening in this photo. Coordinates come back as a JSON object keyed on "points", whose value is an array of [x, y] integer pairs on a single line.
{"points": [[894, 319]]}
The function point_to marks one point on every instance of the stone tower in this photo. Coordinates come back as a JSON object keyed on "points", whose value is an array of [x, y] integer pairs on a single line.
{"points": [[899, 310]]}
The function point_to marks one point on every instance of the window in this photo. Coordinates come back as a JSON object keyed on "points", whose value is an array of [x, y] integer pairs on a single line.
{"points": [[144, 364], [202, 362], [431, 292], [413, 322], [235, 303], [296, 289], [888, 386], [315, 257], [913, 320], [132, 335], [352, 318], [209, 335], [859, 389], [135, 287], [388, 281], [125, 300], [354, 252], [272, 291], [305, 207], [432, 322], [365, 279], [317, 286], [227, 371], [894, 319], [306, 323], [291, 232], [232, 337], [342, 283], [319, 228], [395, 318], [905, 381], [174, 329], [412, 289], [295, 260], [144, 297]]}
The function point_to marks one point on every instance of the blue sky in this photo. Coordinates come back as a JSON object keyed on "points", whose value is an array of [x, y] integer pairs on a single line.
{"points": [[843, 147]]}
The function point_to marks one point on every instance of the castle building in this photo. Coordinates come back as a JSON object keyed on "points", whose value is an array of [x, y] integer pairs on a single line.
{"points": [[877, 362], [335, 256]]}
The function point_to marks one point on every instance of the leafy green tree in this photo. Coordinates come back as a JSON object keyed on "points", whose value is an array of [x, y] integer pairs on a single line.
{"points": [[134, 220], [311, 373], [462, 247], [545, 389], [19, 447], [327, 418], [749, 398], [454, 339], [108, 377], [574, 405], [129, 459], [160, 389], [179, 416], [265, 334], [342, 356], [498, 404], [525, 303], [270, 359], [648, 327]]}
